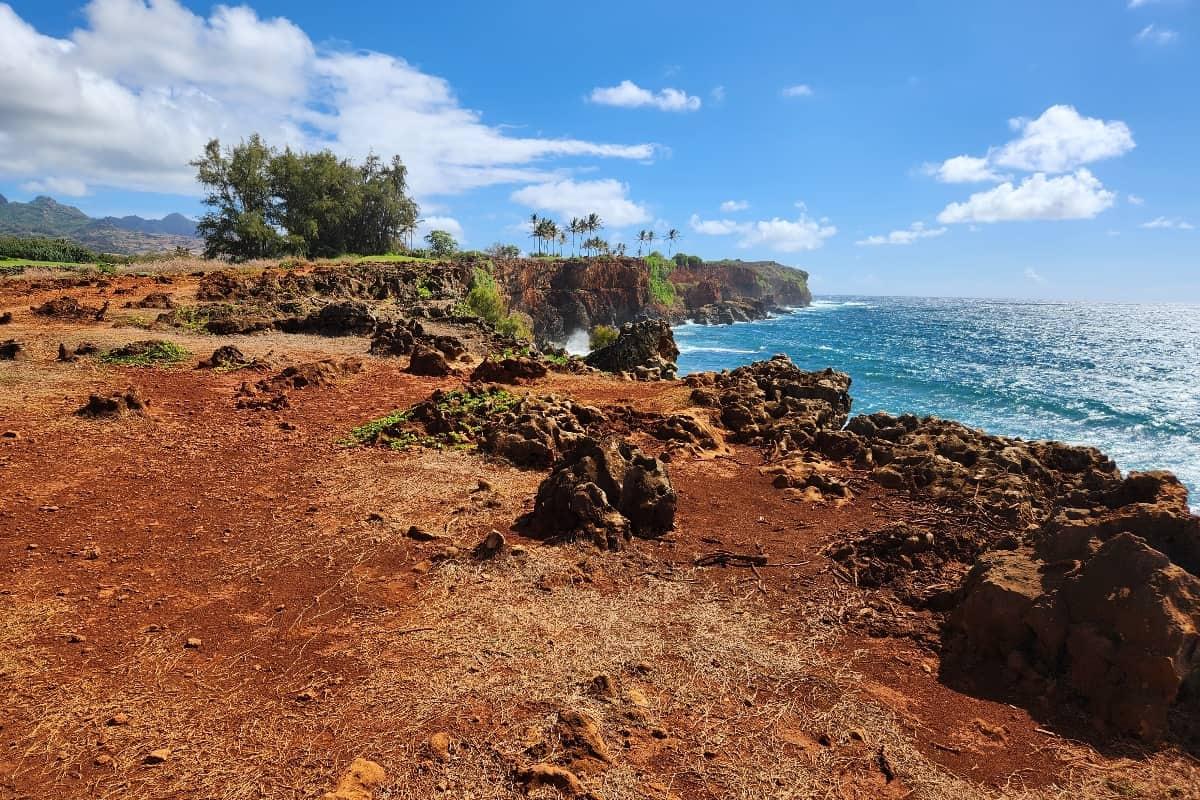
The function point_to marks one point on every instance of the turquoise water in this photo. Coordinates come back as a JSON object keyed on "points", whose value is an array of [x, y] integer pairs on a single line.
{"points": [[1124, 378]]}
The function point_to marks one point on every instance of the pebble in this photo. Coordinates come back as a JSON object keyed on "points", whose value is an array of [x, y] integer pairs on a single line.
{"points": [[157, 756], [120, 718], [193, 643]]}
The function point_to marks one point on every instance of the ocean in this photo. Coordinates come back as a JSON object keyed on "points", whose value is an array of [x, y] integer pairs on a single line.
{"points": [[1121, 377]]}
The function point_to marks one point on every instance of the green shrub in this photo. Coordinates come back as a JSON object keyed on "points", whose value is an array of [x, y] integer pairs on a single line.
{"points": [[602, 336], [661, 288], [36, 248], [146, 354], [517, 325], [484, 300]]}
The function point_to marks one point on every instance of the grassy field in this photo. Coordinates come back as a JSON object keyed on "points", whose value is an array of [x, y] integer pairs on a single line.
{"points": [[25, 262]]}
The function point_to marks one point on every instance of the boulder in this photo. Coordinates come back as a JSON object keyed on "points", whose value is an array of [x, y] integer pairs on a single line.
{"points": [[604, 491], [511, 370], [646, 348], [9, 350], [117, 404], [427, 361]]}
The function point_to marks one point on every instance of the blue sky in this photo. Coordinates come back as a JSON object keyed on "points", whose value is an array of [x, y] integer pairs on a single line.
{"points": [[825, 132]]}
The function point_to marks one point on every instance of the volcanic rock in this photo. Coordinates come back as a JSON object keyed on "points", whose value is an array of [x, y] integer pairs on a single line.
{"points": [[605, 492], [646, 348], [116, 405], [9, 350], [427, 361], [511, 370]]}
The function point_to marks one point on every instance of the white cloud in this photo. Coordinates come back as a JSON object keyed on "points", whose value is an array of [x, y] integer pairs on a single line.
{"points": [[1033, 275], [718, 94], [914, 232], [448, 224], [782, 235], [799, 90], [628, 94], [607, 197], [1134, 200], [1168, 224], [1152, 34], [713, 227], [730, 206], [1076, 196], [131, 97], [962, 169], [1060, 140], [71, 187]]}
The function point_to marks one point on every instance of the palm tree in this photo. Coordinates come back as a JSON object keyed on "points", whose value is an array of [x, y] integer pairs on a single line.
{"points": [[575, 227], [672, 237], [641, 238], [650, 237], [534, 221], [594, 223], [562, 239]]}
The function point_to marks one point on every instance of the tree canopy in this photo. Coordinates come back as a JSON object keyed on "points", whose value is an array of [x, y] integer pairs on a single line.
{"points": [[265, 203]]}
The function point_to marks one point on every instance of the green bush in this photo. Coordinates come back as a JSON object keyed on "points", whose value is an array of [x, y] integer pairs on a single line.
{"points": [[661, 288], [42, 249], [485, 301], [602, 336], [146, 354]]}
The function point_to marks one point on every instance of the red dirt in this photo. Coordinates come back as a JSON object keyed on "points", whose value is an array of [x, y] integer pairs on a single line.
{"points": [[252, 531]]}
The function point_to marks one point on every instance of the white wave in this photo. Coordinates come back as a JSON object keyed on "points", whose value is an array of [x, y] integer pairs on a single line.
{"points": [[733, 350]]}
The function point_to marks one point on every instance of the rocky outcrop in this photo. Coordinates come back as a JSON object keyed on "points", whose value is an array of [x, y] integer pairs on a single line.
{"points": [[400, 337], [67, 307], [427, 361], [528, 431], [605, 492], [727, 312], [1009, 479], [709, 282], [1118, 627], [272, 393], [10, 349], [645, 350], [366, 281], [118, 404], [775, 403], [511, 370]]}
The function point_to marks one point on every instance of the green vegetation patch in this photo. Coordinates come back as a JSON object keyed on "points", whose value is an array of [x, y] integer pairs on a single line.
{"points": [[147, 353], [602, 336], [484, 300], [447, 419], [661, 289]]}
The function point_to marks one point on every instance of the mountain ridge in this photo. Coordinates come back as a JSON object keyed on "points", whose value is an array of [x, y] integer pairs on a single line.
{"points": [[129, 235]]}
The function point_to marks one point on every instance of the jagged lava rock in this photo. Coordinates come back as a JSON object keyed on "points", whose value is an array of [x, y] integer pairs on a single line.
{"points": [[605, 491], [646, 348]]}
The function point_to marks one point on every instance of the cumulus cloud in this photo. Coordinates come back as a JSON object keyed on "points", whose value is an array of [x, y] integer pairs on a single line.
{"points": [[1076, 196], [782, 235], [448, 224], [730, 206], [799, 90], [1135, 200], [608, 198], [628, 94], [914, 232], [1168, 224], [1033, 275], [128, 99], [962, 169], [1060, 140], [1152, 34]]}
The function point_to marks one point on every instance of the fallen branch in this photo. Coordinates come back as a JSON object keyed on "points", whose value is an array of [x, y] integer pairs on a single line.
{"points": [[724, 558]]}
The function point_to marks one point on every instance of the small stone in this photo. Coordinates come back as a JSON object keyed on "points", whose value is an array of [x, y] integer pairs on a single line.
{"points": [[157, 756], [422, 567], [10, 435], [421, 535], [76, 638], [91, 553], [306, 696], [659, 733], [549, 775], [439, 746], [31, 546], [193, 643], [120, 718], [491, 545], [102, 760]]}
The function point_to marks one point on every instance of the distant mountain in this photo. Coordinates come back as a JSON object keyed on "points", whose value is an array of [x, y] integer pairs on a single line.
{"points": [[44, 216]]}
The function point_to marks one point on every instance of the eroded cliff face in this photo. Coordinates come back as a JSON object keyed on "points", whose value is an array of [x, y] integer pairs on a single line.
{"points": [[564, 296], [716, 281], [568, 295]]}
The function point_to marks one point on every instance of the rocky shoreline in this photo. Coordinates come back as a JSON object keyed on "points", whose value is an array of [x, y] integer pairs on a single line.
{"points": [[1035, 570]]}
